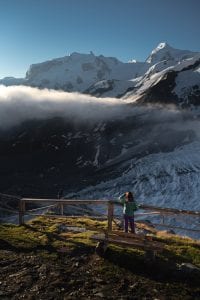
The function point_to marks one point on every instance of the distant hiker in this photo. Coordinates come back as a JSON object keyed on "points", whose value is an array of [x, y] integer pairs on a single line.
{"points": [[130, 206], [60, 194]]}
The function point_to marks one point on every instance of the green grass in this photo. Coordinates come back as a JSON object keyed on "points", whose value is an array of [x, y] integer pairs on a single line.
{"points": [[43, 233], [20, 236], [183, 253]]}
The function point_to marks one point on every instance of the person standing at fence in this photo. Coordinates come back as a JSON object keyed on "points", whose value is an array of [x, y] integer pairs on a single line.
{"points": [[130, 206]]}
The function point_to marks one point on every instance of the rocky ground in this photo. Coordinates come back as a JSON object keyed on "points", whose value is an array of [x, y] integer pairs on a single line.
{"points": [[30, 276], [34, 265]]}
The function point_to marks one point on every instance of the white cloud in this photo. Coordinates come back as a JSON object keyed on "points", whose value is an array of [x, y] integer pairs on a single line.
{"points": [[20, 103]]}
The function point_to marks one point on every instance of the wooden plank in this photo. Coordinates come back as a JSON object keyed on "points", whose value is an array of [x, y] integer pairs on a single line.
{"points": [[131, 235], [175, 227], [101, 218], [20, 213], [130, 243], [170, 210], [10, 196], [134, 240], [133, 244], [110, 215], [41, 208], [116, 236], [136, 244], [66, 201], [61, 209], [22, 209]]}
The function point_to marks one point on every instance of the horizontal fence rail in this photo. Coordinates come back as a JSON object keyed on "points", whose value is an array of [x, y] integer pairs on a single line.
{"points": [[141, 206], [170, 210]]}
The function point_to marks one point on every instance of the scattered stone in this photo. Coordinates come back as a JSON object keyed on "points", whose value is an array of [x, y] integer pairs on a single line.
{"points": [[19, 274], [133, 286], [188, 268], [101, 295], [76, 264], [65, 228], [99, 280]]}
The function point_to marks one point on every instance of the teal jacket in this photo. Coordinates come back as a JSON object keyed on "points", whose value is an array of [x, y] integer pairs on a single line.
{"points": [[129, 207]]}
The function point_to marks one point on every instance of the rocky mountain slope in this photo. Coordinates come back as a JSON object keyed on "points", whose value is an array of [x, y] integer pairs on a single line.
{"points": [[178, 84], [153, 151]]}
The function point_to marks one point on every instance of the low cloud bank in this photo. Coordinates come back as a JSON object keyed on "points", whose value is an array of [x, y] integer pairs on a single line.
{"points": [[21, 103]]}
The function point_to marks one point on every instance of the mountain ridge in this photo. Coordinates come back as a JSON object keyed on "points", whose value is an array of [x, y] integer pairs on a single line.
{"points": [[109, 77]]}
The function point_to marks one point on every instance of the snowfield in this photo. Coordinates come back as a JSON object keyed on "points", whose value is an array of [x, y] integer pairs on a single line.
{"points": [[161, 179]]}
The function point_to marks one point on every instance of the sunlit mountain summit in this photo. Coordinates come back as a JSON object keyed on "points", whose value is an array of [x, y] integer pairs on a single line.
{"points": [[168, 75]]}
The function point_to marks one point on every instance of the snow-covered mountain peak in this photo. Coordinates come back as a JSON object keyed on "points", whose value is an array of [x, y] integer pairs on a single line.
{"points": [[132, 61], [77, 72], [77, 55], [168, 73], [164, 52], [162, 45]]}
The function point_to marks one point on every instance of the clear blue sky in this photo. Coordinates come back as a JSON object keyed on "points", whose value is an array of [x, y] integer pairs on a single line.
{"points": [[33, 31]]}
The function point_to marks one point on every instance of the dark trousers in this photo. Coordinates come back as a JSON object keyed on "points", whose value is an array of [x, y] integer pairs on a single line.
{"points": [[130, 220]]}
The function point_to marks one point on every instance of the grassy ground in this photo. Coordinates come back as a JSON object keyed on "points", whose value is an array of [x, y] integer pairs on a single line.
{"points": [[40, 260]]}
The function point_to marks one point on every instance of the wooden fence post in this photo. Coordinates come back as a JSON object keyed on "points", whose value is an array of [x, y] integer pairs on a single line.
{"points": [[22, 209], [110, 215], [163, 219], [61, 209]]}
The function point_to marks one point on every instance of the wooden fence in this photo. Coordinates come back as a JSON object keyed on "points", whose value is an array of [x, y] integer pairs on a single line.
{"points": [[61, 203], [150, 210]]}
